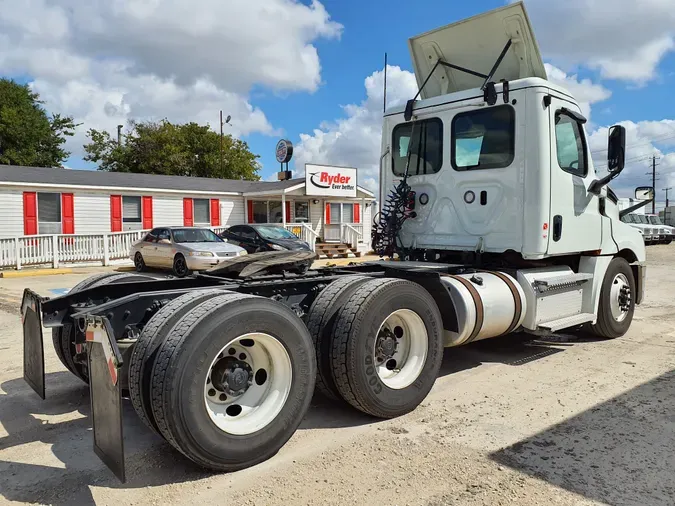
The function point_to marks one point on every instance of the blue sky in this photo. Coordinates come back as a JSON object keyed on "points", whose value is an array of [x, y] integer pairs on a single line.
{"points": [[309, 69]]}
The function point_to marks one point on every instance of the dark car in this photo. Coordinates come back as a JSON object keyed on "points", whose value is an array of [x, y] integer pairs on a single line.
{"points": [[257, 238]]}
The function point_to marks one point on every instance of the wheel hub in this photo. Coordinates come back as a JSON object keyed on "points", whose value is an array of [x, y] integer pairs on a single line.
{"points": [[624, 298], [232, 376], [386, 346]]}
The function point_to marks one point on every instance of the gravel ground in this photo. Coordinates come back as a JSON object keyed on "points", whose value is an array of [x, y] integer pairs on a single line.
{"points": [[563, 421]]}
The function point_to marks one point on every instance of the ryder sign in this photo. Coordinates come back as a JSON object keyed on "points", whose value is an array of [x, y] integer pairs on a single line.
{"points": [[328, 180]]}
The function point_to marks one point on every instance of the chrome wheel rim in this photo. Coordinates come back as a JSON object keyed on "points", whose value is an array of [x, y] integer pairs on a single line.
{"points": [[620, 298], [248, 383], [401, 349]]}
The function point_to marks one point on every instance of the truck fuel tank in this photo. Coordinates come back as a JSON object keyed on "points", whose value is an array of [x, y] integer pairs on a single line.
{"points": [[487, 304]]}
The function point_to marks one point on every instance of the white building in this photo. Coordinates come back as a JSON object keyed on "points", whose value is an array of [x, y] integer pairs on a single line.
{"points": [[51, 203]]}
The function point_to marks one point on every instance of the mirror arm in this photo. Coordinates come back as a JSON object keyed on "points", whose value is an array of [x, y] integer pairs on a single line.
{"points": [[597, 184]]}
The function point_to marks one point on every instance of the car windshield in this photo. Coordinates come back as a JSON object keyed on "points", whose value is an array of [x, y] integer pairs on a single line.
{"points": [[275, 233], [655, 220], [183, 235]]}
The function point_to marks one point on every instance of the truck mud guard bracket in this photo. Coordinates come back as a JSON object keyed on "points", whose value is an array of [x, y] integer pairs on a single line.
{"points": [[33, 348], [105, 362]]}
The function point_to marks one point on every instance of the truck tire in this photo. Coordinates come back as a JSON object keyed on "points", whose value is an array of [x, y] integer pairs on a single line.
{"points": [[233, 380], [145, 350], [320, 322], [387, 347], [63, 337], [617, 300]]}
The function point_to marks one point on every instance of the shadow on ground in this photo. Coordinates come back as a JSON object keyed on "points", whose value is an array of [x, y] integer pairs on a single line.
{"points": [[63, 422], [620, 452]]}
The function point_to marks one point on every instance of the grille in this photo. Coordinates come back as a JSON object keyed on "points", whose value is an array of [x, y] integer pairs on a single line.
{"points": [[224, 253]]}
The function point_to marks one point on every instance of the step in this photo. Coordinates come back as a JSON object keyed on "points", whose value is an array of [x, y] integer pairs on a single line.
{"points": [[557, 282], [568, 321]]}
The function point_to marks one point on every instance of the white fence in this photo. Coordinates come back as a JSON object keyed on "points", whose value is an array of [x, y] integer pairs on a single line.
{"points": [[58, 249]]}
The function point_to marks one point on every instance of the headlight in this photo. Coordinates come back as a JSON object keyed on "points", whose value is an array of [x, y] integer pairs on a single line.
{"points": [[201, 254], [276, 247], [242, 252]]}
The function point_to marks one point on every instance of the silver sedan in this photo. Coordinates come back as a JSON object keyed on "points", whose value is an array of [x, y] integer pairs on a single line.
{"points": [[182, 249]]}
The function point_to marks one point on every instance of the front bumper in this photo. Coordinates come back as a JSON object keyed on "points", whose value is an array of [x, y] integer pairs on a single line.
{"points": [[205, 263]]}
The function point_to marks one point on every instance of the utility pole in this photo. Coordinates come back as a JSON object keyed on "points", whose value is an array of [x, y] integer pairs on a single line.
{"points": [[221, 141], [654, 179], [119, 134], [667, 189]]}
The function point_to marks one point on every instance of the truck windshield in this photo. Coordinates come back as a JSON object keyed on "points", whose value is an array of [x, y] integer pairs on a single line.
{"points": [[642, 219]]}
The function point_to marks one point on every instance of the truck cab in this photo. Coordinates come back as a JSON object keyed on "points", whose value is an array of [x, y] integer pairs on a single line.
{"points": [[665, 232], [489, 166]]}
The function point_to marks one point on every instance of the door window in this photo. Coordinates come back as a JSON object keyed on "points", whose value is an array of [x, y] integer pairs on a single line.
{"points": [[301, 212], [484, 138], [164, 234], [422, 143], [570, 145]]}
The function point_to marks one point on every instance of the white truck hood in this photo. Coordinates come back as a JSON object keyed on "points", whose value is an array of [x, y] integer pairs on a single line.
{"points": [[476, 44]]}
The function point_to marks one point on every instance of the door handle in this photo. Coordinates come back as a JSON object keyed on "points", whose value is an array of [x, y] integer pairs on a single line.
{"points": [[557, 227]]}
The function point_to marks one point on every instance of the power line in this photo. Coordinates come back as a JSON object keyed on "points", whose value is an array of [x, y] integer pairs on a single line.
{"points": [[656, 139], [654, 178]]}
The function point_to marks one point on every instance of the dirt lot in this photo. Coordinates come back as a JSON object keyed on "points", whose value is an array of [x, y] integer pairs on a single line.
{"points": [[564, 421]]}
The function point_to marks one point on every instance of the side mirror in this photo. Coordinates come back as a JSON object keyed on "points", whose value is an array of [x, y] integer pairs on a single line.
{"points": [[644, 193], [616, 149]]}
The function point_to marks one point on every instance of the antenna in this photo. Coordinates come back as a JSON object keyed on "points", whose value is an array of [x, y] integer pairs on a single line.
{"points": [[385, 84]]}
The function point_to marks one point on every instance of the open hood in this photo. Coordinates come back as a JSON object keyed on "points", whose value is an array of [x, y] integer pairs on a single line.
{"points": [[476, 43]]}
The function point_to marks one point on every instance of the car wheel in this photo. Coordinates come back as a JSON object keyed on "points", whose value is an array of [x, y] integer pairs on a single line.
{"points": [[139, 262], [180, 267]]}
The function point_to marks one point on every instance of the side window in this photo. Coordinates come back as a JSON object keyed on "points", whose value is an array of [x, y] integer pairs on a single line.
{"points": [[247, 233], [484, 138], [570, 145], [422, 142], [163, 234]]}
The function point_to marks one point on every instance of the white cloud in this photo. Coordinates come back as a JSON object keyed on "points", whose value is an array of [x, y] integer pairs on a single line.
{"points": [[105, 61], [624, 39], [585, 91], [355, 140]]}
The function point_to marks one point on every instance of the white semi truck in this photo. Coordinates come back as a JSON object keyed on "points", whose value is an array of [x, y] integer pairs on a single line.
{"points": [[497, 223]]}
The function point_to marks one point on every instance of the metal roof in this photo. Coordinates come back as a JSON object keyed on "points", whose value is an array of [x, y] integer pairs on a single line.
{"points": [[95, 178]]}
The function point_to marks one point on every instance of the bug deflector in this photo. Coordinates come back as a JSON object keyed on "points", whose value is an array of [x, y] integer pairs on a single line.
{"points": [[476, 44]]}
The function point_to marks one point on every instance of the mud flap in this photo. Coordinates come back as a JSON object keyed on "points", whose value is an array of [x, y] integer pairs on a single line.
{"points": [[105, 362], [33, 349]]}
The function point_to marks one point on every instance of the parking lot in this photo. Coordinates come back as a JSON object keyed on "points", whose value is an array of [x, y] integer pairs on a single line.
{"points": [[566, 420]]}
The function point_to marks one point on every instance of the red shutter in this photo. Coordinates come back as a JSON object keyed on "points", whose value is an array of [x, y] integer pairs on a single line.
{"points": [[116, 213], [188, 219], [67, 213], [250, 211], [288, 212], [357, 213], [147, 212], [215, 213], [30, 213], [327, 214]]}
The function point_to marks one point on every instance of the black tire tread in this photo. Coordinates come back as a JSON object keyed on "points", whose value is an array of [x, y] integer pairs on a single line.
{"points": [[603, 327], [342, 332], [161, 372], [319, 313], [156, 324]]}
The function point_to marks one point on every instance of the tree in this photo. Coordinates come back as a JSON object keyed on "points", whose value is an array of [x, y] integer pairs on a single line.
{"points": [[28, 136], [166, 148]]}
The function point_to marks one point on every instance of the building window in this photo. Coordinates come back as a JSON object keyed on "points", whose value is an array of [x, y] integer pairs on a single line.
{"points": [[202, 212], [275, 211], [425, 150], [570, 145], [259, 211], [301, 212], [343, 212], [484, 138], [49, 213], [132, 218]]}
